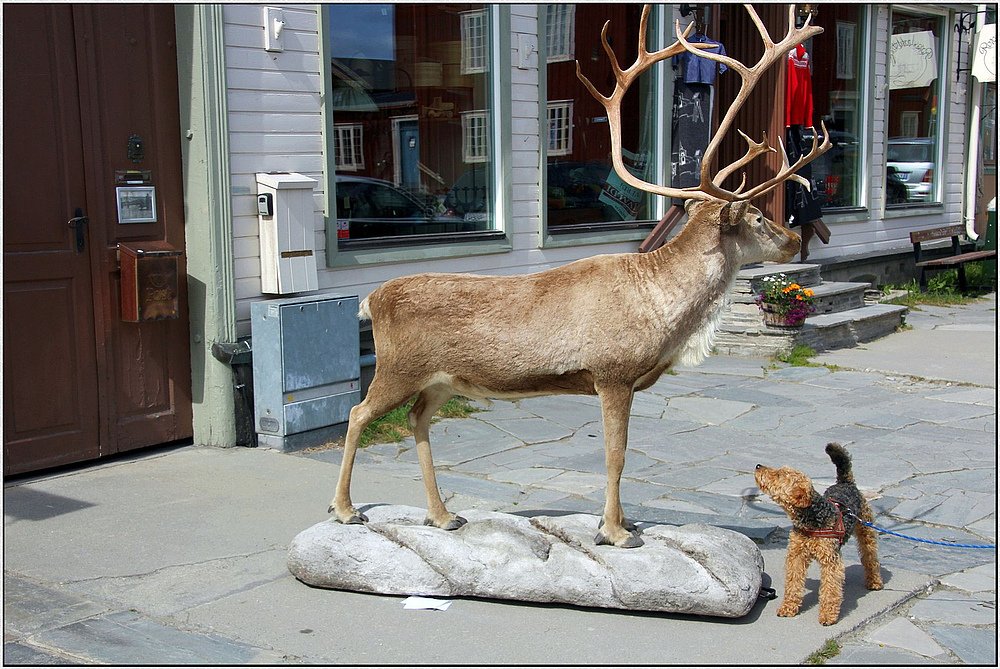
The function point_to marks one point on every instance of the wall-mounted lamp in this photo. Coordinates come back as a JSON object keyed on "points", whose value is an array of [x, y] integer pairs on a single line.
{"points": [[808, 10]]}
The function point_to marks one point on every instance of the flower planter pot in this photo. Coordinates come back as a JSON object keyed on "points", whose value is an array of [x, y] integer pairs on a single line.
{"points": [[775, 320]]}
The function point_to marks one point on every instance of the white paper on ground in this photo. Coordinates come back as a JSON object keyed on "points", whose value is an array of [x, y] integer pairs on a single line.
{"points": [[426, 603]]}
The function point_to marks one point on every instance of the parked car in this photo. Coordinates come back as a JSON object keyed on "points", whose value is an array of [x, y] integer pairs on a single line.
{"points": [[913, 160], [368, 207], [896, 191]]}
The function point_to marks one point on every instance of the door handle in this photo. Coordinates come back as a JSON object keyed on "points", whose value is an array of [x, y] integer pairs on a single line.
{"points": [[77, 223]]}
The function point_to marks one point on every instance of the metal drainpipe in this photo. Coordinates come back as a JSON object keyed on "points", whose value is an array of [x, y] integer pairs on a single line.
{"points": [[239, 356]]}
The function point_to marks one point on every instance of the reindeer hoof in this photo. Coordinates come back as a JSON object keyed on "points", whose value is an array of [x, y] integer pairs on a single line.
{"points": [[631, 540], [354, 517], [627, 524], [453, 523]]}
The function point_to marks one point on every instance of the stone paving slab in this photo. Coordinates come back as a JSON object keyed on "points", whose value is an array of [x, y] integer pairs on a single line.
{"points": [[901, 633], [863, 655], [128, 638], [978, 579], [972, 646], [532, 430], [16, 653], [954, 608], [30, 607]]}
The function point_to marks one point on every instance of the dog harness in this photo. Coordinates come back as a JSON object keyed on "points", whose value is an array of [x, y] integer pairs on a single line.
{"points": [[836, 532]]}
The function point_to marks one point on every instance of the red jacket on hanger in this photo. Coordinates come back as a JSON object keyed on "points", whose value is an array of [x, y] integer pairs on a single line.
{"points": [[798, 95]]}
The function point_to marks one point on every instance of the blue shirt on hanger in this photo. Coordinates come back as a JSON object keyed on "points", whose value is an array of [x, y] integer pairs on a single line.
{"points": [[699, 70]]}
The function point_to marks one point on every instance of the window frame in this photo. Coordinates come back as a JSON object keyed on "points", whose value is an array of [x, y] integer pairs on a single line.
{"points": [[475, 38], [565, 131], [567, 50], [944, 58], [498, 240], [356, 132], [475, 139]]}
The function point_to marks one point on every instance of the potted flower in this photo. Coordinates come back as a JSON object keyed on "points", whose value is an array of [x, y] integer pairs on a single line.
{"points": [[785, 304]]}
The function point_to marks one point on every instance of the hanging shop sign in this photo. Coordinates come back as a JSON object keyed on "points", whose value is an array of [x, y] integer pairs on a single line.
{"points": [[913, 60], [984, 54]]}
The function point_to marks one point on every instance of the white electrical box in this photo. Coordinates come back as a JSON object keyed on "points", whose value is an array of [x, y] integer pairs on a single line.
{"points": [[286, 211]]}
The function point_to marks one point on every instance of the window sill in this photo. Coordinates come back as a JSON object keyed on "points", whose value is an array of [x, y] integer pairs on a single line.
{"points": [[442, 247], [584, 235], [913, 209], [846, 215]]}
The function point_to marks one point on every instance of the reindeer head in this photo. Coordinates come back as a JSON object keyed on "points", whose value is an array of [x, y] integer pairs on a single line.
{"points": [[754, 237]]}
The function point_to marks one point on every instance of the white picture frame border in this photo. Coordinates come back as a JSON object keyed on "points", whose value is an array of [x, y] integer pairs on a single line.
{"points": [[126, 210]]}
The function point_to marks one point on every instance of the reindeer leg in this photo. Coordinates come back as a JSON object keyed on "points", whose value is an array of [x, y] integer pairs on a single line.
{"points": [[616, 404], [382, 397], [430, 400]]}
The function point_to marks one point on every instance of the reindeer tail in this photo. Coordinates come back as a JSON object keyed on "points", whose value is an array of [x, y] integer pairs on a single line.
{"points": [[842, 461]]}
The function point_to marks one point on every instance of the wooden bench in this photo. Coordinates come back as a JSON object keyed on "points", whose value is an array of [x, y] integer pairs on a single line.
{"points": [[956, 259]]}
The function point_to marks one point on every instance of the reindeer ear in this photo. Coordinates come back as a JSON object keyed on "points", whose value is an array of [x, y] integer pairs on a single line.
{"points": [[689, 206], [732, 213]]}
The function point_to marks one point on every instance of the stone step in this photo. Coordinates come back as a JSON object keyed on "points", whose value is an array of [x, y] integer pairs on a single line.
{"points": [[749, 280], [849, 328], [833, 296], [742, 332]]}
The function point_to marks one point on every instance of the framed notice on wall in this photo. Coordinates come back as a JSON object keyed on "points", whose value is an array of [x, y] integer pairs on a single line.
{"points": [[136, 204]]}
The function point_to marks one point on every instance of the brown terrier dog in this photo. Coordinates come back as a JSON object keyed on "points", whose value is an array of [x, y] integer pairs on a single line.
{"points": [[821, 524]]}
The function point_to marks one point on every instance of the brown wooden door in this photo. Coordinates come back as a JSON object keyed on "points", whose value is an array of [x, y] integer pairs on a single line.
{"points": [[49, 354], [78, 381]]}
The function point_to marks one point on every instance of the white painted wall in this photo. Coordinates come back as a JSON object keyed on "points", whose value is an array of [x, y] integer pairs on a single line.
{"points": [[276, 124]]}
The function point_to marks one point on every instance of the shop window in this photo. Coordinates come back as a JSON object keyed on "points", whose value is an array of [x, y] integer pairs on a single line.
{"points": [[838, 98], [915, 76], [583, 190], [409, 88]]}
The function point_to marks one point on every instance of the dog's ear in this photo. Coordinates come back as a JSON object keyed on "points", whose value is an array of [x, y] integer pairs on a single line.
{"points": [[802, 496]]}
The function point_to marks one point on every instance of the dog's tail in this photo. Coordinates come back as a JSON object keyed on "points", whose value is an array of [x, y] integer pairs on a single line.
{"points": [[842, 461]]}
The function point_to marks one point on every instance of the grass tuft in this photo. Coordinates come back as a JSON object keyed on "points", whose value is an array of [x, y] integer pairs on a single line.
{"points": [[830, 650], [942, 288], [393, 427], [798, 356]]}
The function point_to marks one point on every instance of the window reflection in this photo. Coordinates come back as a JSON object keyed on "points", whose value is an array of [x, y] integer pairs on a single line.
{"points": [[914, 91], [411, 119], [582, 186], [837, 86]]}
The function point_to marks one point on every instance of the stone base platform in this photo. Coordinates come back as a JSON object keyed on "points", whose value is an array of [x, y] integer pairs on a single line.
{"points": [[695, 569]]}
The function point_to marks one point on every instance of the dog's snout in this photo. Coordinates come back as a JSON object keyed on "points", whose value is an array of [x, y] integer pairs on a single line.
{"points": [[758, 466]]}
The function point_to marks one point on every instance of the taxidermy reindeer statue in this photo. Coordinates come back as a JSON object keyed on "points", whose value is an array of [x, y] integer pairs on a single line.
{"points": [[608, 325]]}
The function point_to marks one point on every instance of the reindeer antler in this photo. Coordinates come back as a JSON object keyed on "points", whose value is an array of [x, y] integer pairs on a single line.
{"points": [[709, 188]]}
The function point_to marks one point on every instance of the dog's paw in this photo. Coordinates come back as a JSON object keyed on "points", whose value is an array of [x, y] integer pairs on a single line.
{"points": [[788, 611]]}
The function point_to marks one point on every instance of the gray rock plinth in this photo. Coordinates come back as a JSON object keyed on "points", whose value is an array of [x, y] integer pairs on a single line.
{"points": [[696, 569]]}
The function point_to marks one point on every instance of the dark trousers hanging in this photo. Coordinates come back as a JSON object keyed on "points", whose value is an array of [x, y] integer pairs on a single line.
{"points": [[801, 206], [692, 129]]}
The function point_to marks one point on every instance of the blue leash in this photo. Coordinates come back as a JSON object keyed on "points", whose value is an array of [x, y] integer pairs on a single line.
{"points": [[923, 541]]}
